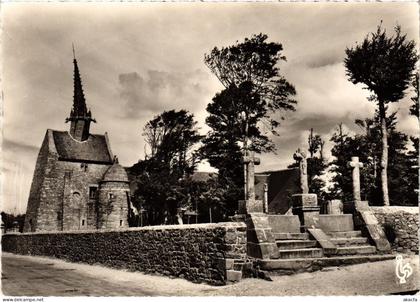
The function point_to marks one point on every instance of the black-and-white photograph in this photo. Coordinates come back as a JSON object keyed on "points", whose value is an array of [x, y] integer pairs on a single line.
{"points": [[209, 149]]}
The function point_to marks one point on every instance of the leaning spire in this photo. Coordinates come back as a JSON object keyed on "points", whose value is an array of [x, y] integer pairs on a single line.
{"points": [[80, 116], [79, 103]]}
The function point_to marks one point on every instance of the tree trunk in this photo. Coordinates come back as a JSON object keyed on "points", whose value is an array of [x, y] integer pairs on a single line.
{"points": [[384, 155]]}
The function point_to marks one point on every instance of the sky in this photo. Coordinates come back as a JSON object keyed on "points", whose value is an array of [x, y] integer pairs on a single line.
{"points": [[139, 59]]}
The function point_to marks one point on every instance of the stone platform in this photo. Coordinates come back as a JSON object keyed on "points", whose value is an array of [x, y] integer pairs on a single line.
{"points": [[300, 265], [333, 242]]}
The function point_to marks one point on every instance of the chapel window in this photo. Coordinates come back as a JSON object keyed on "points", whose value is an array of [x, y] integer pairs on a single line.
{"points": [[93, 190]]}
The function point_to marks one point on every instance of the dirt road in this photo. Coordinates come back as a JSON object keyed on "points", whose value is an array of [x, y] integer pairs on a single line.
{"points": [[37, 276]]}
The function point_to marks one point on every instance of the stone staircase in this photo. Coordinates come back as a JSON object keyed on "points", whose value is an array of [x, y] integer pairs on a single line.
{"points": [[300, 251], [351, 243]]}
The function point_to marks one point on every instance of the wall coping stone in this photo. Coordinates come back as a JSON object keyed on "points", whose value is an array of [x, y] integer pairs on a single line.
{"points": [[395, 209], [224, 225]]}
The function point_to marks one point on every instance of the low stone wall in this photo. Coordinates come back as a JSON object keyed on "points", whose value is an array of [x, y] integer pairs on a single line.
{"points": [[199, 253], [403, 222]]}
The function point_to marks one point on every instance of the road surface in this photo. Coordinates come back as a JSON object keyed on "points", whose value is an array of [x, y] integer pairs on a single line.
{"points": [[39, 276]]}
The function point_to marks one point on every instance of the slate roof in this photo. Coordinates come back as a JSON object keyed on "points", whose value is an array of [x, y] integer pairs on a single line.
{"points": [[115, 173], [94, 149]]}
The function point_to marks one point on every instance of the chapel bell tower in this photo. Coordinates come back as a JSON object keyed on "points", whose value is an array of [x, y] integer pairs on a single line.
{"points": [[80, 117]]}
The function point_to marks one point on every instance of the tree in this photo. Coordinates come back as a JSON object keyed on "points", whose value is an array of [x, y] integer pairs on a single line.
{"points": [[316, 164], [170, 137], [12, 222], [414, 109], [385, 65], [250, 70], [162, 178], [244, 110], [367, 146]]}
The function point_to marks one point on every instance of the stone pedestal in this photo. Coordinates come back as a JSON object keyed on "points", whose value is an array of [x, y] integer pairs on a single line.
{"points": [[250, 206], [306, 207], [335, 207]]}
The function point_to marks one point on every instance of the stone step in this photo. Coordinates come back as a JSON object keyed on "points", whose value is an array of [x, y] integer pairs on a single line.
{"points": [[291, 236], [348, 234], [356, 250], [350, 241], [298, 265], [301, 253], [295, 244]]}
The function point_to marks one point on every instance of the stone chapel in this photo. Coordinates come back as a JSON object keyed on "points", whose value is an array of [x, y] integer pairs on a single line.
{"points": [[77, 184]]}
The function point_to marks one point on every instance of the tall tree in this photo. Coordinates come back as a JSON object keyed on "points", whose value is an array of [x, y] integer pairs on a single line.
{"points": [[162, 178], [170, 136], [367, 146], [385, 65], [250, 69], [255, 92], [414, 109]]}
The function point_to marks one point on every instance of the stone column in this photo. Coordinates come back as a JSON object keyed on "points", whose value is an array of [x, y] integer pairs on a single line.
{"points": [[356, 165], [265, 198], [260, 239], [305, 205], [300, 156], [363, 218], [250, 204]]}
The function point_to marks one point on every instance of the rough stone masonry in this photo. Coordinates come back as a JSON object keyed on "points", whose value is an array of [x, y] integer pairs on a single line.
{"points": [[78, 183], [404, 222], [211, 253]]}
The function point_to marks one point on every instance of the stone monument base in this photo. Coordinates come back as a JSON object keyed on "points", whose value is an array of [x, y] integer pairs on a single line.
{"points": [[250, 206], [335, 207], [307, 209]]}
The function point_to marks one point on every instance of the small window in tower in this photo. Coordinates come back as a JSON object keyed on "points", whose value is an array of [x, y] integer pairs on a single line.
{"points": [[120, 222], [84, 166], [83, 222], [111, 196], [93, 190]]}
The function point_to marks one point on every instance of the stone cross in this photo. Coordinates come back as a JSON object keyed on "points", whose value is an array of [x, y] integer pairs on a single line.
{"points": [[356, 165], [249, 168], [300, 156]]}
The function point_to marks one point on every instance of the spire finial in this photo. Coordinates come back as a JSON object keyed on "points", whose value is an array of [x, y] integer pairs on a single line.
{"points": [[74, 56]]}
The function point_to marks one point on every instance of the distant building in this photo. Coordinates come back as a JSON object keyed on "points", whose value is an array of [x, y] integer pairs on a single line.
{"points": [[281, 185], [78, 183]]}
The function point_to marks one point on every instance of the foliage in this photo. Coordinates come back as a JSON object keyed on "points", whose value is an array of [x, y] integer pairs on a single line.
{"points": [[254, 90], [170, 137], [385, 65], [12, 221], [316, 164], [414, 109], [162, 178], [367, 146]]}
